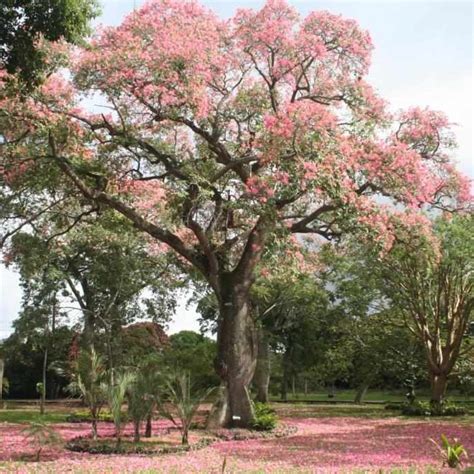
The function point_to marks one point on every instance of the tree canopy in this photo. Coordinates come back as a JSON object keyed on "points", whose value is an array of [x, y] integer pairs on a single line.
{"points": [[24, 23]]}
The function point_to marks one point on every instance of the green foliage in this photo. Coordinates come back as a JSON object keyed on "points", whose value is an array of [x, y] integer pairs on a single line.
{"points": [[194, 353], [40, 388], [451, 451], [23, 21], [82, 416], [421, 408], [265, 418], [41, 435]]}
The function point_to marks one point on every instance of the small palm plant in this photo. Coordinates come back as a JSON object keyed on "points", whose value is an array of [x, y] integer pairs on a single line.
{"points": [[116, 392], [89, 384], [451, 452], [142, 399], [41, 435], [184, 403]]}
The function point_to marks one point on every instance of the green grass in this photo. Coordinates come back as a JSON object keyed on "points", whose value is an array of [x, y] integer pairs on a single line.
{"points": [[303, 410], [27, 416], [372, 395]]}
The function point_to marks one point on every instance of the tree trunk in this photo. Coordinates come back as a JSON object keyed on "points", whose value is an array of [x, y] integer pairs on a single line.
{"points": [[285, 376], [43, 389], [361, 392], [2, 368], [236, 358], [293, 386], [261, 378], [332, 390], [136, 431], [88, 334], [439, 383], [94, 427], [148, 426]]}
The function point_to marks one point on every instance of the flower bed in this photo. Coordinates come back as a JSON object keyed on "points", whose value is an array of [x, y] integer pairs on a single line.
{"points": [[169, 441], [109, 446], [236, 434]]}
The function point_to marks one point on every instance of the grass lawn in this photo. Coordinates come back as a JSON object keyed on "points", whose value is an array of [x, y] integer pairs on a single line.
{"points": [[27, 416], [372, 395]]}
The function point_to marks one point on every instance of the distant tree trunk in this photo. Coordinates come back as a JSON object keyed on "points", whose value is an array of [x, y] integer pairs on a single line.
{"points": [[361, 392], [148, 426], [136, 431], [2, 369], [293, 386], [286, 374], [306, 386], [261, 377], [43, 388], [332, 390]]}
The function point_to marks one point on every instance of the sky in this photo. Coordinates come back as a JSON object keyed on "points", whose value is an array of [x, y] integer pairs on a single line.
{"points": [[423, 56]]}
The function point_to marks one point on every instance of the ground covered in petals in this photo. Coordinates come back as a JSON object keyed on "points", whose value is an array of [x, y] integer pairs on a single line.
{"points": [[321, 444]]}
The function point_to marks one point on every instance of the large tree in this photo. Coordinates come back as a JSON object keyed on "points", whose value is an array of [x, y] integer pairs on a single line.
{"points": [[223, 139], [432, 283]]}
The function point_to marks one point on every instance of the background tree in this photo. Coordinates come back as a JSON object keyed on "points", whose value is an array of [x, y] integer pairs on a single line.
{"points": [[433, 284], [24, 22], [427, 282], [104, 270], [223, 140], [194, 353]]}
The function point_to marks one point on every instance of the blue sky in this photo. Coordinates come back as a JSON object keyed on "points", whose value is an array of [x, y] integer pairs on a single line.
{"points": [[423, 56]]}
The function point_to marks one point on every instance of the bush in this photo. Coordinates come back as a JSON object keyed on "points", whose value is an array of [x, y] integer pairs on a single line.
{"points": [[418, 408], [265, 417], [393, 406], [109, 446], [448, 409]]}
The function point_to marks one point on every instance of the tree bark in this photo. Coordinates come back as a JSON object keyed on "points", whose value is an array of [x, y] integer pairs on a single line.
{"points": [[148, 426], [136, 431], [286, 375], [439, 383], [2, 368], [94, 427], [236, 357], [261, 378], [43, 387], [361, 392]]}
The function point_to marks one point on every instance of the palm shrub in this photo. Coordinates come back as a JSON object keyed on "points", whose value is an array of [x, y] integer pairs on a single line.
{"points": [[41, 435], [451, 452], [141, 396], [181, 400], [116, 390], [90, 385]]}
